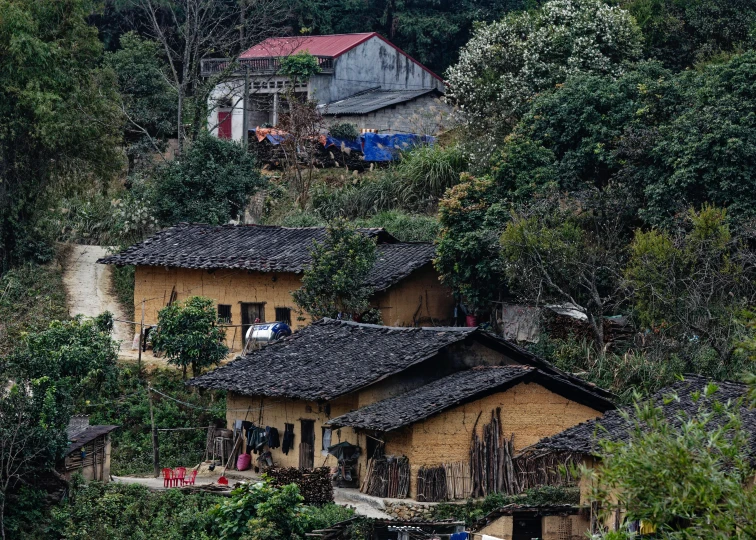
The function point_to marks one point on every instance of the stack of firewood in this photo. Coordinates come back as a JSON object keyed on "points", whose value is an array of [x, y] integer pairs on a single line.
{"points": [[431, 484], [314, 485], [387, 476], [491, 456]]}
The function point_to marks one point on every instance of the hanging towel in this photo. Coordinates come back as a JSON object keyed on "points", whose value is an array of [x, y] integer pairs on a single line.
{"points": [[288, 438]]}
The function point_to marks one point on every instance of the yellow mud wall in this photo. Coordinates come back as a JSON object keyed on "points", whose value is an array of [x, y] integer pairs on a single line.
{"points": [[275, 412], [565, 527], [418, 300], [528, 410], [501, 527], [231, 287]]}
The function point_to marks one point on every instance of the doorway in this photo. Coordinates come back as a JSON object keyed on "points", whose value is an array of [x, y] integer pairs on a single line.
{"points": [[251, 312], [526, 528], [307, 446]]}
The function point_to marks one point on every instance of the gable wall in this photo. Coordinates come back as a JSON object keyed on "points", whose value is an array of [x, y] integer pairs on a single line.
{"points": [[400, 304], [528, 410], [370, 64]]}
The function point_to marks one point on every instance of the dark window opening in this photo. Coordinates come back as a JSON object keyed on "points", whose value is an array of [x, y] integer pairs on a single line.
{"points": [[224, 313], [283, 314], [526, 528]]}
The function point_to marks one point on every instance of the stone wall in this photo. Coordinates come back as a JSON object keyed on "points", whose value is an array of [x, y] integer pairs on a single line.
{"points": [[426, 115], [408, 510]]}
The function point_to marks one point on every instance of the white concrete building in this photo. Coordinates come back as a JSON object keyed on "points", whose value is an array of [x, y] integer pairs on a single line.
{"points": [[361, 75]]}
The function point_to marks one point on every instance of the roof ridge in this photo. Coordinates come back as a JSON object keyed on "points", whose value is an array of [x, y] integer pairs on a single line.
{"points": [[461, 329]]}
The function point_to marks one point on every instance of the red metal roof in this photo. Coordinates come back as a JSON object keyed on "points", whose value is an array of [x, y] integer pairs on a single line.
{"points": [[330, 45]]}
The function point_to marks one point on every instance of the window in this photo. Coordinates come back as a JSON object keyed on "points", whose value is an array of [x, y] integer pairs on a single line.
{"points": [[326, 440], [224, 313], [283, 314]]}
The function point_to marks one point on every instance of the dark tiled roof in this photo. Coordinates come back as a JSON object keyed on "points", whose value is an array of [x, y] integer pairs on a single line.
{"points": [[447, 392], [264, 249], [328, 359], [433, 398], [331, 358], [583, 438], [372, 100], [88, 435]]}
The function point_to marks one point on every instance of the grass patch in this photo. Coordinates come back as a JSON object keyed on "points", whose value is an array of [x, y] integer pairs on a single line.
{"points": [[31, 296], [122, 281]]}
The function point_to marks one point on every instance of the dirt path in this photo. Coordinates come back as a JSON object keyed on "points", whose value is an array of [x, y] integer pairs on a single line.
{"points": [[88, 289]]}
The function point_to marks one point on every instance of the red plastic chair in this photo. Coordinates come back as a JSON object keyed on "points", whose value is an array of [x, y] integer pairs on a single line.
{"points": [[178, 476], [167, 477], [190, 481]]}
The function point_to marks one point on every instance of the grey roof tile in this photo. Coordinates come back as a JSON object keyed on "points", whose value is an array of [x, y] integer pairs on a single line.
{"points": [[371, 101], [265, 249]]}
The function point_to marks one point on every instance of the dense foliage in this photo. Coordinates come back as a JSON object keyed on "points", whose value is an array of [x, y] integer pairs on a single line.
{"points": [[335, 283], [189, 336], [684, 475], [253, 511], [211, 182], [59, 121]]}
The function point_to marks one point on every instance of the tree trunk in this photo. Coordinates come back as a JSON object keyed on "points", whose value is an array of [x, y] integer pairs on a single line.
{"points": [[179, 125]]}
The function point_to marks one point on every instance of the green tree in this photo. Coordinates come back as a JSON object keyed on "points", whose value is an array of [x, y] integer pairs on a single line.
{"points": [[299, 67], [693, 283], [147, 100], [687, 475], [189, 335], [681, 33], [33, 418], [78, 355], [568, 251], [467, 256], [211, 182], [506, 63], [335, 282], [58, 115]]}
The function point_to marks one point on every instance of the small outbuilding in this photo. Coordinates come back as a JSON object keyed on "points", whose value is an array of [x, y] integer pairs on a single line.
{"points": [[88, 451], [545, 522]]}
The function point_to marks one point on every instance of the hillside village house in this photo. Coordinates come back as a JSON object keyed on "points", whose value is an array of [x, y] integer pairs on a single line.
{"points": [[251, 270], [420, 393], [363, 79], [583, 440], [88, 451]]}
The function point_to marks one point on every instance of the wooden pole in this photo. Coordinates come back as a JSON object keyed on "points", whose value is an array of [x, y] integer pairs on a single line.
{"points": [[155, 451], [141, 337]]}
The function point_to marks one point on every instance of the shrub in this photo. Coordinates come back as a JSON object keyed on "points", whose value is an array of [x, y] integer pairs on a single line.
{"points": [[405, 227], [430, 170], [344, 130]]}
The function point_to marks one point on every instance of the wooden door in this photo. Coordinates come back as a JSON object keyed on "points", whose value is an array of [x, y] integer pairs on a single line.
{"points": [[224, 125], [251, 312], [307, 446]]}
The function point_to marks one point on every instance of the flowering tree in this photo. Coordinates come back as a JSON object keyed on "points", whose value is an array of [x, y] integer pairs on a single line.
{"points": [[507, 62]]}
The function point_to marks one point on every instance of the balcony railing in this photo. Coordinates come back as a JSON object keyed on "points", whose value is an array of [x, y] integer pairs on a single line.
{"points": [[256, 66]]}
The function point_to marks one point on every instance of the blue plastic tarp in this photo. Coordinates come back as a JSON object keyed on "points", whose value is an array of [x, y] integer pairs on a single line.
{"points": [[353, 144], [380, 147]]}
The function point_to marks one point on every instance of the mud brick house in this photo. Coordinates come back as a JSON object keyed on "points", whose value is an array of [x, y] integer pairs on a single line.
{"points": [[583, 439], [363, 78], [88, 451], [251, 270], [545, 522], [420, 393]]}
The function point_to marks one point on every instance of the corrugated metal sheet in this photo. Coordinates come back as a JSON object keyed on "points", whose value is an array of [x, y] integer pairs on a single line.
{"points": [[372, 100], [330, 45]]}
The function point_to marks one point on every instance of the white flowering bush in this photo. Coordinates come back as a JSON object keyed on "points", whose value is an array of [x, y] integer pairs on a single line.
{"points": [[507, 62]]}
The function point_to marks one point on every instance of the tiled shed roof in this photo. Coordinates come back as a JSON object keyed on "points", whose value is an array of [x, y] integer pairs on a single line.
{"points": [[328, 359], [331, 358], [583, 438], [456, 389], [265, 249], [372, 100], [88, 435]]}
